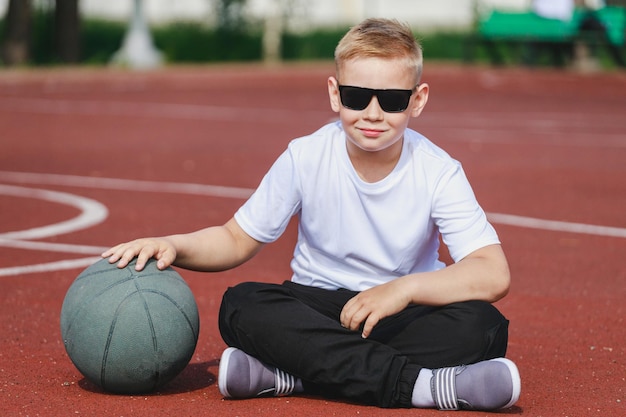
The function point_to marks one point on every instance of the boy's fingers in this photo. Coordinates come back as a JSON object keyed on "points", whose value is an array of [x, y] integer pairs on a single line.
{"points": [[124, 260], [143, 250], [346, 316], [145, 254], [369, 326], [165, 259], [352, 319], [123, 255], [112, 254]]}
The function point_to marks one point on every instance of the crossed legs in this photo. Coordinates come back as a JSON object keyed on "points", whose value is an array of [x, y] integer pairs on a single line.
{"points": [[296, 328]]}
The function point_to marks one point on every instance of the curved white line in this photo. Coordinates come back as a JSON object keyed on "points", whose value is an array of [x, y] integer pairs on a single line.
{"points": [[52, 247], [235, 192], [50, 266], [124, 184], [92, 212]]}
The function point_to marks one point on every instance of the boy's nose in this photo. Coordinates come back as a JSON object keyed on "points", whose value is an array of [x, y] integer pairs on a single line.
{"points": [[373, 111]]}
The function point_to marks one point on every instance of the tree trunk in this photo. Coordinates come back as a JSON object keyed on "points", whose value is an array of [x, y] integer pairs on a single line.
{"points": [[67, 31], [16, 44]]}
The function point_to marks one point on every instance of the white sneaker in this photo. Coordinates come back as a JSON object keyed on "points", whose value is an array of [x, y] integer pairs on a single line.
{"points": [[487, 385], [243, 376]]}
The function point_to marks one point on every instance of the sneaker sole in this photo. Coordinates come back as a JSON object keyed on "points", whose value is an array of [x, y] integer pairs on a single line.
{"points": [[222, 373], [515, 379]]}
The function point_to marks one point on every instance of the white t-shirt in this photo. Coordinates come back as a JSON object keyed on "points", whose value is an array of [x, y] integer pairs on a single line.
{"points": [[356, 235]]}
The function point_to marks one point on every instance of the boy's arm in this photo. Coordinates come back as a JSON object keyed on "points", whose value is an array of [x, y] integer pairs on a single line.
{"points": [[212, 249], [482, 275]]}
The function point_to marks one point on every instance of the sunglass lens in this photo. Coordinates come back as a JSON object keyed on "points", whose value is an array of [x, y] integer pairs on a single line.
{"points": [[393, 101], [355, 98]]}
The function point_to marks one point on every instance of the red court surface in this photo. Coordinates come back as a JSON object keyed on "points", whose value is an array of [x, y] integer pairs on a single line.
{"points": [[91, 157]]}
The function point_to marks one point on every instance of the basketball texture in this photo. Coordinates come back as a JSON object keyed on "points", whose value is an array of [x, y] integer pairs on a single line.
{"points": [[129, 332]]}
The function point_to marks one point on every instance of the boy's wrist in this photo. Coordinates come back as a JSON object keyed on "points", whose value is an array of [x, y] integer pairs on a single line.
{"points": [[409, 286]]}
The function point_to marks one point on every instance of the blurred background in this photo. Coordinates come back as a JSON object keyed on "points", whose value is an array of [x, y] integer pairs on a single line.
{"points": [[150, 33]]}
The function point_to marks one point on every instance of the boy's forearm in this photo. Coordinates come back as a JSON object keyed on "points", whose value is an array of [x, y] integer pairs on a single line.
{"points": [[215, 248], [483, 275]]}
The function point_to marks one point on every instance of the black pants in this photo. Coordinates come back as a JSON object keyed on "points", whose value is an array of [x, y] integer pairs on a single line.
{"points": [[296, 328]]}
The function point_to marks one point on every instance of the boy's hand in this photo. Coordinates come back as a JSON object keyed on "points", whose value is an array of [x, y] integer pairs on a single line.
{"points": [[160, 249], [373, 305]]}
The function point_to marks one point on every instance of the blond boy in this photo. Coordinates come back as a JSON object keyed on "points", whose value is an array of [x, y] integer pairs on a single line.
{"points": [[370, 313]]}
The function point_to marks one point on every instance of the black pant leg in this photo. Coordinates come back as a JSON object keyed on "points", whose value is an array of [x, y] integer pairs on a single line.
{"points": [[273, 324], [296, 328], [458, 333]]}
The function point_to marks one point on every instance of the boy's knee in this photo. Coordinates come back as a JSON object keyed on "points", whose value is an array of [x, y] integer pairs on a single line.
{"points": [[248, 297], [495, 330], [485, 329], [230, 309], [247, 308], [480, 314], [241, 292]]}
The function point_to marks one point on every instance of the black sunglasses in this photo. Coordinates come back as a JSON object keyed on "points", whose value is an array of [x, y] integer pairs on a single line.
{"points": [[358, 98]]}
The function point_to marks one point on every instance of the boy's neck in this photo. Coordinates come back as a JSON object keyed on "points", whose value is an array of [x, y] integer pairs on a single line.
{"points": [[374, 166]]}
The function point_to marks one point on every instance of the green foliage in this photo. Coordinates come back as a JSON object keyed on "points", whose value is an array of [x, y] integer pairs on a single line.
{"points": [[443, 46], [230, 14], [100, 39], [193, 42], [42, 36], [315, 45], [236, 39]]}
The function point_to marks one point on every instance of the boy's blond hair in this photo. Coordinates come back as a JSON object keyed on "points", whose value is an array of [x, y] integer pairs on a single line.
{"points": [[380, 38]]}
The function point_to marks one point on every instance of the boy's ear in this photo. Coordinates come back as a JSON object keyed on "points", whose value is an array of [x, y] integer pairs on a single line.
{"points": [[419, 99], [333, 94]]}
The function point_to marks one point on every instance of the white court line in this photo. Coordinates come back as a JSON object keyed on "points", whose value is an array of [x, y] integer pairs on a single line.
{"points": [[126, 185], [465, 122], [9, 239], [235, 192], [49, 267], [501, 136], [556, 226], [52, 247], [92, 212], [152, 109]]}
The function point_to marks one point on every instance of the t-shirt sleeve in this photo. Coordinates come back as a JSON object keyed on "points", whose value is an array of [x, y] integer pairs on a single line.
{"points": [[461, 221], [266, 214]]}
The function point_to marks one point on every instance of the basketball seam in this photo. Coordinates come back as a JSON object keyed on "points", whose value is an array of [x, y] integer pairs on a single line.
{"points": [[140, 292], [178, 307], [87, 301], [107, 345], [155, 345]]}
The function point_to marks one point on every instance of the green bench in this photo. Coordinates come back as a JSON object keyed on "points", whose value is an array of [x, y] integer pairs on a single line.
{"points": [[526, 29]]}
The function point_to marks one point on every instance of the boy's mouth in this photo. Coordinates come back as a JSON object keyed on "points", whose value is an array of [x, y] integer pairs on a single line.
{"points": [[371, 133]]}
